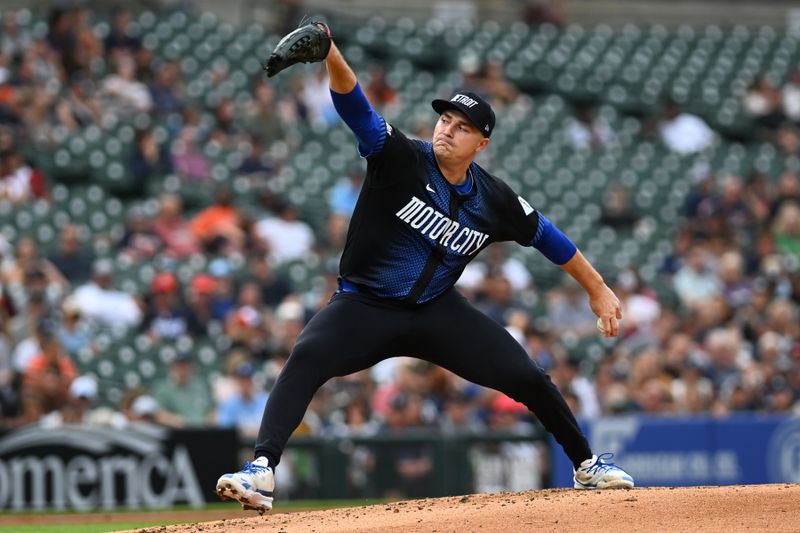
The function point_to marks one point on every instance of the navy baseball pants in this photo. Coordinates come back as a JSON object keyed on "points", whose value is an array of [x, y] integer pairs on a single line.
{"points": [[355, 331]]}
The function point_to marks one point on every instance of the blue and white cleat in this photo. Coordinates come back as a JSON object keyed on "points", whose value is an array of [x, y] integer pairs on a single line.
{"points": [[252, 486], [600, 473]]}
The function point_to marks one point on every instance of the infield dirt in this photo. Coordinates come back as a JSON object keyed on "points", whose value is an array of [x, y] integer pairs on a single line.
{"points": [[773, 508]]}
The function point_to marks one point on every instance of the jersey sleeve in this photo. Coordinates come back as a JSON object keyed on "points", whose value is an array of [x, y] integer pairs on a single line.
{"points": [[518, 219], [391, 163], [528, 227], [359, 115]]}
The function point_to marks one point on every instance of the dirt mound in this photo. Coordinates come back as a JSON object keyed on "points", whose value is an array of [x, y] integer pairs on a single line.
{"points": [[737, 508]]}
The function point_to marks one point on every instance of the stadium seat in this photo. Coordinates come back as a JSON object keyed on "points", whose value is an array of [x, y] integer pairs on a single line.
{"points": [[626, 72]]}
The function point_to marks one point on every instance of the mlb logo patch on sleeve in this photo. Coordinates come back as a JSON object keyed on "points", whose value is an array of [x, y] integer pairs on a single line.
{"points": [[525, 205]]}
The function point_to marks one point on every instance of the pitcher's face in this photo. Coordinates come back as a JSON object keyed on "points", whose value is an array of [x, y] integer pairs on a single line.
{"points": [[455, 138]]}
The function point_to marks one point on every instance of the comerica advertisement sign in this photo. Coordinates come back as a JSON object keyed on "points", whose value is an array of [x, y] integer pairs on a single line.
{"points": [[83, 468]]}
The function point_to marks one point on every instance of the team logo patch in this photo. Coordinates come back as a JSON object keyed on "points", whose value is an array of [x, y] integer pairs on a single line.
{"points": [[525, 205], [464, 100]]}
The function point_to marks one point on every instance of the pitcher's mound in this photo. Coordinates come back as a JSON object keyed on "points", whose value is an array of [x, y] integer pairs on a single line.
{"points": [[753, 508]]}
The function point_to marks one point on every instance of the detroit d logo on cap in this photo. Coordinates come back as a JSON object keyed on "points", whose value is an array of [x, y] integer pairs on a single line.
{"points": [[463, 99]]}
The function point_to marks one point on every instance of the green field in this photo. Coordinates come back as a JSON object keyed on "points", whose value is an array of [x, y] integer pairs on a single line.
{"points": [[132, 519], [82, 528]]}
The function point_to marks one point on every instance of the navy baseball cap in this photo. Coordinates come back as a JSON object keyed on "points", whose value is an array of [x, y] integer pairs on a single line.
{"points": [[477, 110], [244, 370]]}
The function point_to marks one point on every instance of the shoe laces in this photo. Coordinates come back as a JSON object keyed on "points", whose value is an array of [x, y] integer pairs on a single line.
{"points": [[602, 464], [252, 468]]}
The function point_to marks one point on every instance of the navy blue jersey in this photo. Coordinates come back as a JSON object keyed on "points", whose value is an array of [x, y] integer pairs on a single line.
{"points": [[412, 233]]}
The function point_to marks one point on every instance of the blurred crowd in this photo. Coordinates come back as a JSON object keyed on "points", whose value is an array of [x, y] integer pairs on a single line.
{"points": [[56, 299], [775, 110], [720, 336]]}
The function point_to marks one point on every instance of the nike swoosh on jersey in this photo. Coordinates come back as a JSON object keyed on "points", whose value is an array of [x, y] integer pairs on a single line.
{"points": [[429, 188]]}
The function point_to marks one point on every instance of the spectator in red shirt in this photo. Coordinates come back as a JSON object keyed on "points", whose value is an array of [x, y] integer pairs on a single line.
{"points": [[19, 182]]}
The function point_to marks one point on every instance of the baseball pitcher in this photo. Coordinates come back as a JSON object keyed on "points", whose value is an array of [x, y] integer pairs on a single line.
{"points": [[426, 209]]}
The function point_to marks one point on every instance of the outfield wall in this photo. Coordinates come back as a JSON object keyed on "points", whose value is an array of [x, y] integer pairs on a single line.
{"points": [[88, 468], [149, 467], [683, 451]]}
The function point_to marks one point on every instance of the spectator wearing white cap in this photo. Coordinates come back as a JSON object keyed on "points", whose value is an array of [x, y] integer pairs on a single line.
{"points": [[80, 407], [144, 409], [83, 388], [290, 317]]}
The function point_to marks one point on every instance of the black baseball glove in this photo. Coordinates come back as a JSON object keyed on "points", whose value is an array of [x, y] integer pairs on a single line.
{"points": [[306, 44]]}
